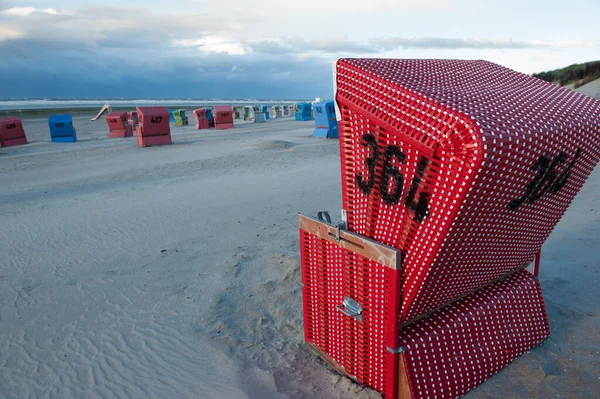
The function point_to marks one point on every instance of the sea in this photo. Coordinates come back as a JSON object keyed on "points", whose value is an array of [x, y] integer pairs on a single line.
{"points": [[43, 103]]}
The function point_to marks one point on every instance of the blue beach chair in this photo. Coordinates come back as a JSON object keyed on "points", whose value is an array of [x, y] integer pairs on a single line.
{"points": [[61, 129], [326, 125], [210, 117], [303, 112]]}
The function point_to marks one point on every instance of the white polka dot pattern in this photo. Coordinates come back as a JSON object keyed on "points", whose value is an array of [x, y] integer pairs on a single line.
{"points": [[330, 273], [459, 347], [503, 156]]}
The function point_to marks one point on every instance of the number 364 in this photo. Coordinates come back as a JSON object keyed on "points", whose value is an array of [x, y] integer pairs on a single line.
{"points": [[392, 176]]}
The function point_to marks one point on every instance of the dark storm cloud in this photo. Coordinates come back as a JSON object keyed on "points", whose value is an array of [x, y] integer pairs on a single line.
{"points": [[136, 52], [185, 73]]}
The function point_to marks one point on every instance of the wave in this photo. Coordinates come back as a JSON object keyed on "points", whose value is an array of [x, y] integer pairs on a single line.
{"points": [[44, 103]]}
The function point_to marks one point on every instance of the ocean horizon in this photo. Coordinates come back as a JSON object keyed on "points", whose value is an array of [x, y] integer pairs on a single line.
{"points": [[12, 104]]}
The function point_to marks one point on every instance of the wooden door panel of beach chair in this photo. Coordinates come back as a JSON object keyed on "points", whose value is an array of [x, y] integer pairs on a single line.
{"points": [[12, 132], [465, 166], [350, 300]]}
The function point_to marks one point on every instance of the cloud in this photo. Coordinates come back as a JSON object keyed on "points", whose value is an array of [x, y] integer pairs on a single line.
{"points": [[299, 45], [28, 11], [270, 47], [365, 6], [217, 76], [138, 52], [214, 44], [9, 33], [101, 47], [332, 45], [393, 43], [343, 45]]}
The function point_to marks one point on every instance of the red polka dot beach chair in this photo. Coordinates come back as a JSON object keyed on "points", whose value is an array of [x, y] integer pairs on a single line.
{"points": [[454, 173]]}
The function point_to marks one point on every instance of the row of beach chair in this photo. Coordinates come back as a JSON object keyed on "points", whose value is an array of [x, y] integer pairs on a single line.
{"points": [[123, 124]]}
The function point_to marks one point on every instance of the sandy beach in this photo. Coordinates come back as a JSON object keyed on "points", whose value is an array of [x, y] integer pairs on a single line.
{"points": [[173, 271]]}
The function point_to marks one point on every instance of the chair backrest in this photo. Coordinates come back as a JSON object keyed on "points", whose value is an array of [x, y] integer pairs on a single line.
{"points": [[154, 121], [117, 121], [61, 125], [466, 166], [199, 114], [11, 128], [304, 108], [322, 113], [223, 113]]}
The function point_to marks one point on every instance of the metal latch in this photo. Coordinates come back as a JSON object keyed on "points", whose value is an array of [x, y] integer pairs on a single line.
{"points": [[324, 217], [351, 308]]}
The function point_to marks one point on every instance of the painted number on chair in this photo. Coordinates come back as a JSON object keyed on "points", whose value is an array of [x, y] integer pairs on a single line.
{"points": [[59, 124], [392, 180], [547, 179], [156, 119]]}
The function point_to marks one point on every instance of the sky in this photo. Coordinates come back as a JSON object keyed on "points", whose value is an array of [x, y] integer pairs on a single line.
{"points": [[268, 49]]}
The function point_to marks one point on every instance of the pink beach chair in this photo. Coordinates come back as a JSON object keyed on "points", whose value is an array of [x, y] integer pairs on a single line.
{"points": [[118, 126], [201, 119], [11, 132], [153, 128], [223, 117]]}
